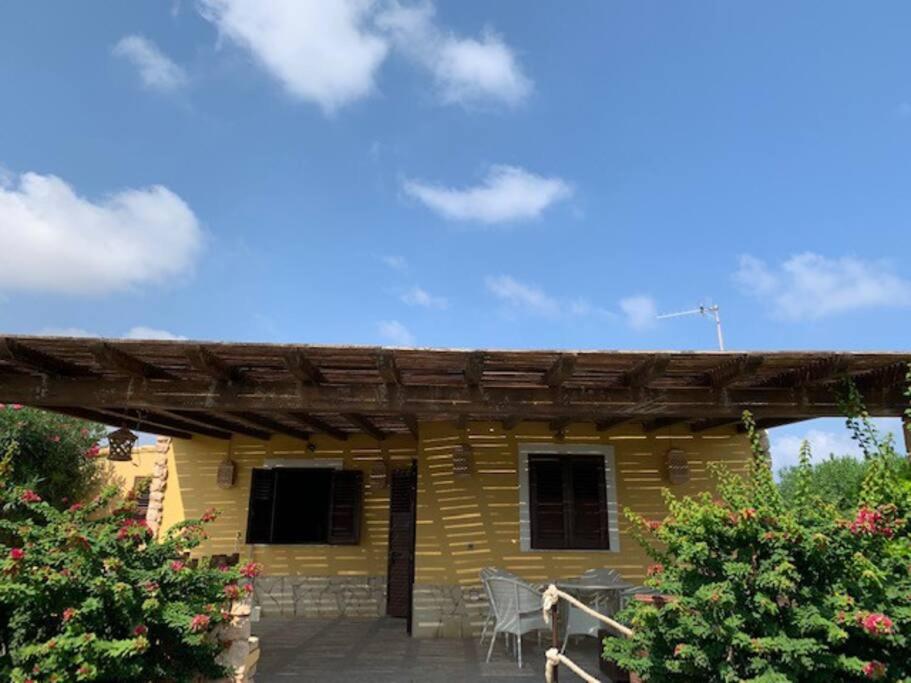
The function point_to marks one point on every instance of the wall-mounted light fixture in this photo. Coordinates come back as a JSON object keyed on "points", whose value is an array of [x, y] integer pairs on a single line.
{"points": [[678, 467], [120, 445]]}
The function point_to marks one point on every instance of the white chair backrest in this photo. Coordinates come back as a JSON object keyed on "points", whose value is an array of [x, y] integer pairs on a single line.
{"points": [[603, 577], [511, 597]]}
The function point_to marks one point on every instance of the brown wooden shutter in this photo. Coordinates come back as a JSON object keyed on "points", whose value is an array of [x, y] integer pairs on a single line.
{"points": [[345, 507], [588, 527], [260, 510], [547, 502]]}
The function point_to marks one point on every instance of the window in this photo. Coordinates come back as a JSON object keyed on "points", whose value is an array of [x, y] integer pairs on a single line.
{"points": [[305, 505], [568, 502]]}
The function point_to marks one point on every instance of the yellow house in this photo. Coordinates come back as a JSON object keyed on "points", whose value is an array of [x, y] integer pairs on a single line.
{"points": [[375, 481]]}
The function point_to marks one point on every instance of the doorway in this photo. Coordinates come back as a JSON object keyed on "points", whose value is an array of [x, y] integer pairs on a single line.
{"points": [[402, 522]]}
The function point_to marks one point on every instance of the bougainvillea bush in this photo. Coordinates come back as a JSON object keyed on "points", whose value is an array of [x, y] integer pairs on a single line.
{"points": [[53, 454], [86, 594], [764, 590]]}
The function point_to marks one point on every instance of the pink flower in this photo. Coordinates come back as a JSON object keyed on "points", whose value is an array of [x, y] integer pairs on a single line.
{"points": [[232, 590], [55, 438], [75, 507], [16, 406], [251, 570], [177, 566], [84, 431], [877, 624], [654, 524], [199, 623], [30, 496], [679, 649], [209, 515], [654, 569], [874, 670], [16, 554], [748, 513], [68, 614], [248, 588], [140, 630], [93, 452]]}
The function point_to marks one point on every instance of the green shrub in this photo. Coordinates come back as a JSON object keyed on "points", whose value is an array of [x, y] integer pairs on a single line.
{"points": [[87, 595], [53, 455], [838, 479], [770, 590]]}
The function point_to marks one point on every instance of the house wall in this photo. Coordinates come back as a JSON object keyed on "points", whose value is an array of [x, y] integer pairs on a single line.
{"points": [[469, 522], [306, 580], [464, 522], [122, 473]]}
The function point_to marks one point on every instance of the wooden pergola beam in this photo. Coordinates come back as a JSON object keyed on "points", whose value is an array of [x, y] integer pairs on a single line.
{"points": [[205, 361], [204, 419], [646, 372], [426, 401], [734, 370], [411, 422], [906, 431], [109, 356], [320, 425], [160, 420], [559, 425], [269, 424], [115, 419], [474, 370], [388, 369], [653, 425], [561, 370], [302, 368], [816, 371], [510, 422], [770, 423], [14, 351], [365, 425]]}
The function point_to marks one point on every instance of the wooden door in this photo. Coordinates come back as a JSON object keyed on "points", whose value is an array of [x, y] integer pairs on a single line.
{"points": [[402, 515]]}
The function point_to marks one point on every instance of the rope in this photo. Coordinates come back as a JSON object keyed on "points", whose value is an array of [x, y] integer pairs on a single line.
{"points": [[554, 659], [552, 595]]}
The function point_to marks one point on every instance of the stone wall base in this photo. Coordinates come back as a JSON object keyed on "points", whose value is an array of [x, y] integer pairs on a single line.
{"points": [[321, 596], [446, 611]]}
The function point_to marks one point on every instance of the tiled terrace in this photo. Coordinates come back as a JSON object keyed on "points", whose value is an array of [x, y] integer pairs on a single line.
{"points": [[379, 651]]}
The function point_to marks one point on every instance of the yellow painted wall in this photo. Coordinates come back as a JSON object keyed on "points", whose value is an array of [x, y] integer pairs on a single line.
{"points": [[192, 489], [469, 522], [124, 473]]}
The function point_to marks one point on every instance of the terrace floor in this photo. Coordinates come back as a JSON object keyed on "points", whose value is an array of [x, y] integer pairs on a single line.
{"points": [[379, 651]]}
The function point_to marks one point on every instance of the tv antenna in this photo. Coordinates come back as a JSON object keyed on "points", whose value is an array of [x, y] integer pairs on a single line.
{"points": [[712, 311]]}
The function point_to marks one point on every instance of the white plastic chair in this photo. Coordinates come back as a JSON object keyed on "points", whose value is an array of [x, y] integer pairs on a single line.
{"points": [[516, 609], [579, 623], [486, 573]]}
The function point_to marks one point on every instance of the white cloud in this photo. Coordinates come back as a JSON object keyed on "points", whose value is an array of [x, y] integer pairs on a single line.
{"points": [[640, 311], [395, 262], [156, 69], [64, 332], [396, 333], [53, 240], [142, 332], [416, 296], [507, 194], [810, 286], [522, 296], [320, 51], [466, 70]]}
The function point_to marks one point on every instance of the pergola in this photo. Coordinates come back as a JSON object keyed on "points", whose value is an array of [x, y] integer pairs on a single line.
{"points": [[185, 388]]}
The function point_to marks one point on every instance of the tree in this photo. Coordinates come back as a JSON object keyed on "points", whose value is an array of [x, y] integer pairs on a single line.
{"points": [[52, 454], [764, 588], [88, 595], [837, 480]]}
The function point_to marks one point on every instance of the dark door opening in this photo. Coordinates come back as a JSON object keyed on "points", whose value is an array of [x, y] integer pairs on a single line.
{"points": [[402, 521]]}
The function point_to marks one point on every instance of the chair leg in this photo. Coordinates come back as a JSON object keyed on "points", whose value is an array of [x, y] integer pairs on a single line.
{"points": [[484, 630], [493, 639], [519, 641]]}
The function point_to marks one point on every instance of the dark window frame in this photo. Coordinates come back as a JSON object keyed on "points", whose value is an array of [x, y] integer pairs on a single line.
{"points": [[344, 506], [546, 534]]}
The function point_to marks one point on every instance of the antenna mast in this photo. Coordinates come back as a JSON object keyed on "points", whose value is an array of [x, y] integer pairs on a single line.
{"points": [[714, 311]]}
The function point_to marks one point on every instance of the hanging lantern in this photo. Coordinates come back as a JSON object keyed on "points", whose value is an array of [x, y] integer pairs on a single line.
{"points": [[226, 474], [678, 467], [461, 461], [120, 445]]}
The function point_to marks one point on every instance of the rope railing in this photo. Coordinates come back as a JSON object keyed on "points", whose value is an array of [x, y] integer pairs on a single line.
{"points": [[549, 600]]}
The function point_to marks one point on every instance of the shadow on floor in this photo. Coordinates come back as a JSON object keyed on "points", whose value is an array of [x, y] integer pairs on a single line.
{"points": [[379, 651]]}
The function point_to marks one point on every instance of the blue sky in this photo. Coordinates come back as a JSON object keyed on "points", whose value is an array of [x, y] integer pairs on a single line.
{"points": [[458, 173]]}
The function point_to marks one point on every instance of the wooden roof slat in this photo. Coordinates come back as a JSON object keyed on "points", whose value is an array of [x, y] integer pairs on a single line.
{"points": [[109, 356], [302, 368], [411, 422], [22, 354], [733, 370], [365, 425], [645, 372], [206, 361], [657, 423], [207, 420], [698, 426], [473, 372], [817, 370], [388, 369], [560, 371], [510, 422], [115, 419], [269, 424], [607, 423], [320, 425]]}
